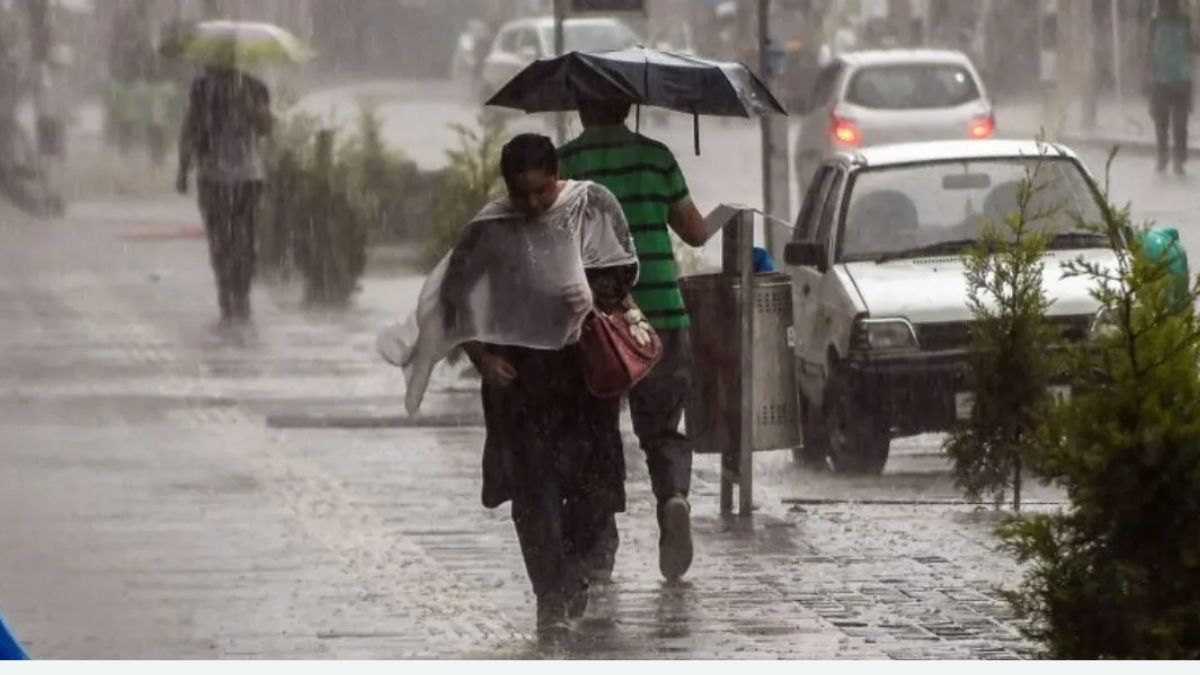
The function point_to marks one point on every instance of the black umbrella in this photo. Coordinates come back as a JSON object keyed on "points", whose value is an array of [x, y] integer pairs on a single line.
{"points": [[640, 76]]}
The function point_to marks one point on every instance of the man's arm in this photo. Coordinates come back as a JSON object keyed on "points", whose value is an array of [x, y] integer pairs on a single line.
{"points": [[187, 140], [686, 221], [683, 216]]}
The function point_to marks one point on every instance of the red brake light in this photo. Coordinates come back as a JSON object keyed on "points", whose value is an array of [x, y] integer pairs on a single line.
{"points": [[846, 132], [983, 128]]}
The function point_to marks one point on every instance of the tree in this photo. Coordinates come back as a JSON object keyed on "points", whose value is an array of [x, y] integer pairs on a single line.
{"points": [[1011, 362], [1117, 573]]}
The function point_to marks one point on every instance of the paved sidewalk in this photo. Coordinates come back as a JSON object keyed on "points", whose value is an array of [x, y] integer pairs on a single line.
{"points": [[149, 510]]}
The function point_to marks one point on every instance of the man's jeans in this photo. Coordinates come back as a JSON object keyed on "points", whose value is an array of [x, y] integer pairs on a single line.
{"points": [[656, 405], [1170, 105], [230, 213]]}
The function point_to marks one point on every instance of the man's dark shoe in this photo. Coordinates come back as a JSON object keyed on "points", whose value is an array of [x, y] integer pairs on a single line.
{"points": [[675, 538]]}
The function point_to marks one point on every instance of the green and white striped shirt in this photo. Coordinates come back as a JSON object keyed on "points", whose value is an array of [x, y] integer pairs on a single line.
{"points": [[646, 180]]}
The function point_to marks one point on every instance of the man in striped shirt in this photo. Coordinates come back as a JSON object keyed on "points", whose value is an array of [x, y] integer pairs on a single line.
{"points": [[646, 179]]}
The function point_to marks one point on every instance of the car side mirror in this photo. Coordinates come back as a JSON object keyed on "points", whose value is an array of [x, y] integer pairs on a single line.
{"points": [[806, 254]]}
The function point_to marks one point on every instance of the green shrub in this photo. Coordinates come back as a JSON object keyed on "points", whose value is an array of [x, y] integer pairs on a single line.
{"points": [[400, 197], [1117, 573], [331, 238], [288, 157], [1010, 366], [470, 180]]}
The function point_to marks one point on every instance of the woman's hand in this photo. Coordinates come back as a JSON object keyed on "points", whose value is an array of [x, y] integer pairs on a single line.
{"points": [[497, 370], [578, 298]]}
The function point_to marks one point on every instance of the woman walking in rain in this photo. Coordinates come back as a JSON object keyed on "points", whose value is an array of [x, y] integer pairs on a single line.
{"points": [[514, 294]]}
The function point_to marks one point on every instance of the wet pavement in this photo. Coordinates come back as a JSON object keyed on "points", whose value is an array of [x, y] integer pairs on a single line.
{"points": [[170, 490]]}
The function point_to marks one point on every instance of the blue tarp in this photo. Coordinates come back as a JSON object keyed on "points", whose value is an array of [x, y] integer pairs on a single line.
{"points": [[10, 649]]}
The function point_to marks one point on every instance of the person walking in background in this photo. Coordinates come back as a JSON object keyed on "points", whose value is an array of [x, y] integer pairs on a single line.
{"points": [[645, 177], [228, 112], [1172, 49]]}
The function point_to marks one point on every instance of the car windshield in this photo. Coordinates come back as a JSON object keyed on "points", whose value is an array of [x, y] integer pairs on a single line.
{"points": [[593, 37], [912, 85], [896, 212]]}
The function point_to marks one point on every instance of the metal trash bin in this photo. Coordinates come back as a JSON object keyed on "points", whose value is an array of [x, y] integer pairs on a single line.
{"points": [[714, 402]]}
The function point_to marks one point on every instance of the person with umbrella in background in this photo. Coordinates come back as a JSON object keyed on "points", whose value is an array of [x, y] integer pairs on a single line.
{"points": [[645, 177], [228, 112]]}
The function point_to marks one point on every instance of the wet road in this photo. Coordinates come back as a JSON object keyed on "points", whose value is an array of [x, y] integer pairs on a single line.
{"points": [[155, 503], [149, 509]]}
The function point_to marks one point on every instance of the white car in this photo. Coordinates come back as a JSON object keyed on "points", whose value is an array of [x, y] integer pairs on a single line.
{"points": [[870, 98], [521, 42], [882, 325]]}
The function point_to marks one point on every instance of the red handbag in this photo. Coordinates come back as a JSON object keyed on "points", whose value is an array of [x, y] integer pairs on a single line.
{"points": [[613, 359]]}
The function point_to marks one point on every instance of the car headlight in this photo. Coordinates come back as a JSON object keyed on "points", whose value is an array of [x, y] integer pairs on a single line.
{"points": [[882, 335]]}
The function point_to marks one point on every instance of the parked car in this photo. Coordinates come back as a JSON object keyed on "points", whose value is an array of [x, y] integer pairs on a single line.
{"points": [[470, 50], [870, 98], [882, 323], [521, 42]]}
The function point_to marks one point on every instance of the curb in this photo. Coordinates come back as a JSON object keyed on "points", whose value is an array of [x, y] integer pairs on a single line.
{"points": [[1136, 146], [301, 421]]}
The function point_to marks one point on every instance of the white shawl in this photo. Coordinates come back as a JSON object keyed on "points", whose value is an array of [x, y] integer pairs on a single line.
{"points": [[504, 282]]}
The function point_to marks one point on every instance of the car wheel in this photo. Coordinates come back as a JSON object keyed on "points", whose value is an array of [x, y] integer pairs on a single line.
{"points": [[856, 430]]}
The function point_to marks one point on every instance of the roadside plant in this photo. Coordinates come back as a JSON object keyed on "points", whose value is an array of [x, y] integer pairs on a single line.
{"points": [[1011, 363], [330, 233], [1116, 574], [288, 157], [469, 181], [398, 196]]}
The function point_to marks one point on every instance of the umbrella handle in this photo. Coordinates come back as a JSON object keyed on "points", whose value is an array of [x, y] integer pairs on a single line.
{"points": [[696, 132]]}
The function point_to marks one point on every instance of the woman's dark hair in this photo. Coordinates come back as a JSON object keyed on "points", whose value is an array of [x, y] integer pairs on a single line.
{"points": [[528, 152]]}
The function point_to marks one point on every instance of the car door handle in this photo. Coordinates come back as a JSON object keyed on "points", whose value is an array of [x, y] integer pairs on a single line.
{"points": [[807, 290]]}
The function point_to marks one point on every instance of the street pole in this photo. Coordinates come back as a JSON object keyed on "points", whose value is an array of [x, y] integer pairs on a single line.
{"points": [[776, 170], [1117, 59], [560, 14], [746, 311]]}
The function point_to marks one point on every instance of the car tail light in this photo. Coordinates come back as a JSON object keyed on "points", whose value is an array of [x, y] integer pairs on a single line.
{"points": [[845, 132], [983, 128]]}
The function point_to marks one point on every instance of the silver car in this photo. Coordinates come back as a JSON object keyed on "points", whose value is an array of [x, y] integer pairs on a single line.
{"points": [[521, 42], [870, 98]]}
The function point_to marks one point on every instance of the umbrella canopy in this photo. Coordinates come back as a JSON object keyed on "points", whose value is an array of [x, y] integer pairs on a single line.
{"points": [[640, 76], [237, 42]]}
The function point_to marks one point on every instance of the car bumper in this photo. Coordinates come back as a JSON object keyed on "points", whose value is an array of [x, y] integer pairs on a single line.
{"points": [[918, 391], [921, 392]]}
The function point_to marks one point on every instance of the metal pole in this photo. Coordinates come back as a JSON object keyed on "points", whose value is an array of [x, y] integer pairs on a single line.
{"points": [[776, 170], [560, 14], [731, 268], [764, 70], [1115, 19], [746, 365]]}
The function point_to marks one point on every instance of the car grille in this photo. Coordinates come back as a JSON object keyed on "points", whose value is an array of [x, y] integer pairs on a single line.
{"points": [[934, 337]]}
